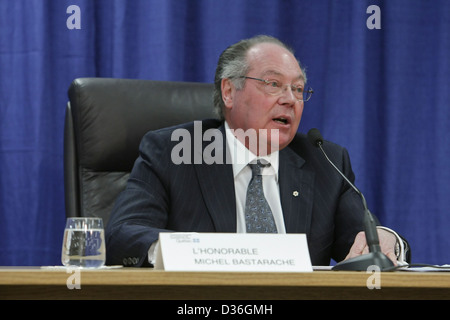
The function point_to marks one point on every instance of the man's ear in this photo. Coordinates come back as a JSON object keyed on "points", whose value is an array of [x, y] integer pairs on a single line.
{"points": [[228, 90]]}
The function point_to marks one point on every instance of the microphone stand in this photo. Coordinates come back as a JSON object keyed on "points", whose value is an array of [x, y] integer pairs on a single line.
{"points": [[375, 257]]}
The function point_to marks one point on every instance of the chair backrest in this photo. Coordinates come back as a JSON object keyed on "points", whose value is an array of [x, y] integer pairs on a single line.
{"points": [[105, 122]]}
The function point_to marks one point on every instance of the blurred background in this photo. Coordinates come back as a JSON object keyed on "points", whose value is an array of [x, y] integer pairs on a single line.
{"points": [[381, 81]]}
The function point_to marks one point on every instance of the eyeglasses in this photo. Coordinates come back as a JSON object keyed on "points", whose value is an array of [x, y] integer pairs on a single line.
{"points": [[275, 87]]}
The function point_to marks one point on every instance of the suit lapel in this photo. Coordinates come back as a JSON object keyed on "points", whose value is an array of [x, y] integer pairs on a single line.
{"points": [[296, 192], [217, 185]]}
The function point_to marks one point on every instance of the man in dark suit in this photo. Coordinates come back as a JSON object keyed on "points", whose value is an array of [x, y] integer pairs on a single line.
{"points": [[194, 177]]}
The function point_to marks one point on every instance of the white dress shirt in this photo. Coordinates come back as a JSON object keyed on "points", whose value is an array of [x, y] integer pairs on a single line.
{"points": [[240, 157]]}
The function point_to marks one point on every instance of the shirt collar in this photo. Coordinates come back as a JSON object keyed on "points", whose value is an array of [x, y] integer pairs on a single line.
{"points": [[240, 156]]}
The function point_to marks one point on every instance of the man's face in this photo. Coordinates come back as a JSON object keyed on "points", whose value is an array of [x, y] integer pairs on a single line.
{"points": [[253, 108]]}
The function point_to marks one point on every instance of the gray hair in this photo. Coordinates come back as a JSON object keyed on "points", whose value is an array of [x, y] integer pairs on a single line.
{"points": [[233, 65]]}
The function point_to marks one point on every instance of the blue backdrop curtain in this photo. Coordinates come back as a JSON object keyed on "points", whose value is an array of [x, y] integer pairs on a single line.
{"points": [[382, 93]]}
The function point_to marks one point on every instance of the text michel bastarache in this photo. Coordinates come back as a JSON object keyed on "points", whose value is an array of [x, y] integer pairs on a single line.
{"points": [[218, 256]]}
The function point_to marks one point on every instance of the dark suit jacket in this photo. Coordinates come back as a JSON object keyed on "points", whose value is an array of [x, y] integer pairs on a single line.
{"points": [[162, 196]]}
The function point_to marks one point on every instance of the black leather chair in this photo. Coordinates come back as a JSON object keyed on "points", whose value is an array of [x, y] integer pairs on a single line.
{"points": [[105, 121]]}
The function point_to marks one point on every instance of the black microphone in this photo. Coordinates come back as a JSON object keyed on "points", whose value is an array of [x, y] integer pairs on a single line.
{"points": [[375, 256]]}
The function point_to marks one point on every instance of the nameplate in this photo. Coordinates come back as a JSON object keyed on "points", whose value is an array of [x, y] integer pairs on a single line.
{"points": [[233, 252]]}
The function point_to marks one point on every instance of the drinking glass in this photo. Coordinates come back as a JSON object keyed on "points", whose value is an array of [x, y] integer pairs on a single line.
{"points": [[83, 243]]}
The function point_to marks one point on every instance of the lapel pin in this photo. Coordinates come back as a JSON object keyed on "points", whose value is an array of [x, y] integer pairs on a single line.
{"points": [[295, 193]]}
